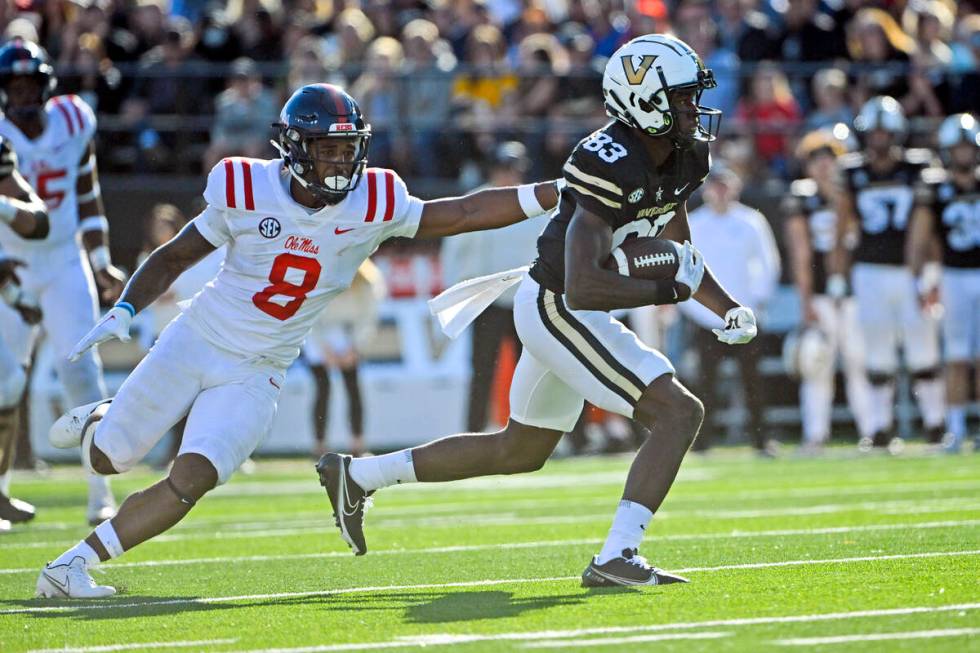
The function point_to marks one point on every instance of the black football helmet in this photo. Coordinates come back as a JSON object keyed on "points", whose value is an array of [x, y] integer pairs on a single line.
{"points": [[20, 57], [322, 111]]}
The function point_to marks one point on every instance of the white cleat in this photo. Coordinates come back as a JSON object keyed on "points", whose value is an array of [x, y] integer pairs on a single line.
{"points": [[67, 431], [101, 503], [70, 581]]}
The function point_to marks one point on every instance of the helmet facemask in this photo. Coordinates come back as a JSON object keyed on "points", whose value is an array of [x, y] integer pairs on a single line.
{"points": [[342, 175]]}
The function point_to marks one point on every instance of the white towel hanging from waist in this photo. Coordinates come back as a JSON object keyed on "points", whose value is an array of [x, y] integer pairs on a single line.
{"points": [[459, 305]]}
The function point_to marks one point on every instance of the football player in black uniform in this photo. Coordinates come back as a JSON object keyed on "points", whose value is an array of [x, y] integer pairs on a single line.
{"points": [[632, 178], [948, 210], [876, 208], [829, 313]]}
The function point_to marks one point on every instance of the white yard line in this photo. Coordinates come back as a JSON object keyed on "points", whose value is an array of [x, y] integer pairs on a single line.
{"points": [[451, 639], [877, 637], [135, 646], [610, 641], [910, 507], [463, 548], [71, 607]]}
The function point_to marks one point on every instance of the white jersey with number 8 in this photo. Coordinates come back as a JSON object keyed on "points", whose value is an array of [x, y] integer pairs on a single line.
{"points": [[284, 263]]}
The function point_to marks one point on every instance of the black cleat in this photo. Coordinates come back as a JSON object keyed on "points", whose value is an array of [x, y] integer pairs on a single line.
{"points": [[15, 511], [630, 569], [348, 499]]}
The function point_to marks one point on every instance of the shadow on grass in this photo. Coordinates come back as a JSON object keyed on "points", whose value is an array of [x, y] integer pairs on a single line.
{"points": [[418, 607]]}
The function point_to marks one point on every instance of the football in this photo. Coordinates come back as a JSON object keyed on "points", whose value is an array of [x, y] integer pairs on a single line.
{"points": [[645, 258]]}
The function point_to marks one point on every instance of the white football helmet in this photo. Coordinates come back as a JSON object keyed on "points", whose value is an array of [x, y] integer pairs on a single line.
{"points": [[882, 112], [638, 78], [956, 129], [807, 353]]}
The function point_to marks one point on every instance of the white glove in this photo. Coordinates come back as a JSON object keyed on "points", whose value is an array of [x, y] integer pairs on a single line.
{"points": [[114, 324], [739, 326], [690, 266]]}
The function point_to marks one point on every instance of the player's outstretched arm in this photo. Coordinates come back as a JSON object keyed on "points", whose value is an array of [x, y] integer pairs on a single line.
{"points": [[589, 286], [94, 227], [490, 208], [22, 209], [150, 280]]}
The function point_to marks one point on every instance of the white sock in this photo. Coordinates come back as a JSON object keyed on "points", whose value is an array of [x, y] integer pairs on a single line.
{"points": [[107, 535], [956, 421], [375, 472], [81, 549], [931, 396], [5, 483], [627, 530], [97, 484]]}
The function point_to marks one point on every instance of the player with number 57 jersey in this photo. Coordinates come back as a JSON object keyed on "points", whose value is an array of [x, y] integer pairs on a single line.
{"points": [[297, 228]]}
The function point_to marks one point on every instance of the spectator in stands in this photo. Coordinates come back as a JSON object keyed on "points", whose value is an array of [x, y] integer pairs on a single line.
{"points": [[966, 65], [426, 92], [346, 47], [747, 32], [377, 90], [94, 77], [542, 63], [260, 35], [307, 65], [608, 27], [695, 27], [830, 99], [883, 52], [738, 240], [486, 252], [930, 24], [243, 113], [770, 114], [486, 86]]}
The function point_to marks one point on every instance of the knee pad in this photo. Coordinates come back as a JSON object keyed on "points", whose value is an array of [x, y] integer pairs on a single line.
{"points": [[12, 387], [82, 379], [880, 378]]}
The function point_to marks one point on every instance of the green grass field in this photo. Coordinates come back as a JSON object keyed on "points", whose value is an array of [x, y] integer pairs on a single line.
{"points": [[844, 553]]}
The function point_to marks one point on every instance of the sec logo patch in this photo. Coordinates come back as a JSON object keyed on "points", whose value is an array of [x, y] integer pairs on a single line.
{"points": [[269, 227], [635, 196]]}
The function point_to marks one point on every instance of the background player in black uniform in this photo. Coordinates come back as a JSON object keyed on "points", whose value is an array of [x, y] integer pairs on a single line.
{"points": [[948, 211], [876, 207], [629, 179], [829, 314]]}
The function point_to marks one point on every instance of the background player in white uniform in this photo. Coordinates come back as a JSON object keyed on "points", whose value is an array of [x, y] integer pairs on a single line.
{"points": [[25, 214], [949, 211], [52, 138], [876, 206], [297, 229], [631, 178], [811, 228]]}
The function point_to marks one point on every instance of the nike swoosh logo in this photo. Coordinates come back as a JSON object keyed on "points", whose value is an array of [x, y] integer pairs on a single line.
{"points": [[678, 191], [339, 231], [274, 384], [61, 586]]}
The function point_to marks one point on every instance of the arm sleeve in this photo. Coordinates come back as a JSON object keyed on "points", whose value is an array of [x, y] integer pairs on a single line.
{"points": [[213, 226]]}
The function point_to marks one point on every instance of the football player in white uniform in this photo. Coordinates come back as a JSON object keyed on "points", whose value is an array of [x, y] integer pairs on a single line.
{"points": [[632, 178], [297, 229], [829, 313], [25, 214], [948, 211], [52, 138], [875, 206]]}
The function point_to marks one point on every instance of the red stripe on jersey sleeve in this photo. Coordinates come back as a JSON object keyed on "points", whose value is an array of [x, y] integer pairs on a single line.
{"points": [[64, 112], [247, 175], [389, 196], [372, 197], [230, 183], [77, 112]]}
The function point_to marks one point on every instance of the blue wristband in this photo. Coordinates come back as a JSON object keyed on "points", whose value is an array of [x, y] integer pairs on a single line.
{"points": [[129, 308]]}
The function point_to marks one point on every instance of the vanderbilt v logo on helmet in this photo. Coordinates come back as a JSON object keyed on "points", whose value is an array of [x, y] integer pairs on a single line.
{"points": [[635, 74], [638, 81]]}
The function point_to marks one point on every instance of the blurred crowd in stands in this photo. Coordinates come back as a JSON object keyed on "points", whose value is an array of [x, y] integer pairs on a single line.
{"points": [[178, 84]]}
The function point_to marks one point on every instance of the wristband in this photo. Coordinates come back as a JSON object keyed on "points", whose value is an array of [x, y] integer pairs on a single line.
{"points": [[836, 286], [929, 278], [11, 293], [7, 209], [94, 223], [126, 306], [99, 258], [91, 195], [666, 293], [529, 201]]}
